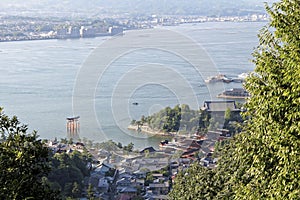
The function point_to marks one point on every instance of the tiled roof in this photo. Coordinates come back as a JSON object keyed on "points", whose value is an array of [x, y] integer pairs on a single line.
{"points": [[219, 105]]}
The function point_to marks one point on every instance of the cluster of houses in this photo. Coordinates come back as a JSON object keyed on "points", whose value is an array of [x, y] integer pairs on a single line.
{"points": [[131, 174], [149, 174], [62, 147]]}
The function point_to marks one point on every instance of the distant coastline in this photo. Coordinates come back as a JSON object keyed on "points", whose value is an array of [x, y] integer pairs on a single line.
{"points": [[52, 38]]}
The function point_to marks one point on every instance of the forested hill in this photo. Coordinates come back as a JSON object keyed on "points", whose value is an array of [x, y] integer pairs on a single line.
{"points": [[147, 7], [173, 119], [184, 120]]}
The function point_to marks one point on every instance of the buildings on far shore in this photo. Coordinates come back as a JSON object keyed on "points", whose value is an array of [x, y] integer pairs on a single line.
{"points": [[87, 32]]}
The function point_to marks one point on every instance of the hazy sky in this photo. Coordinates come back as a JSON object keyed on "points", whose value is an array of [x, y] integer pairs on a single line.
{"points": [[201, 7]]}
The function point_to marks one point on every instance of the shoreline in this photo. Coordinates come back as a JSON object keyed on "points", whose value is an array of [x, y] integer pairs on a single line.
{"points": [[148, 130]]}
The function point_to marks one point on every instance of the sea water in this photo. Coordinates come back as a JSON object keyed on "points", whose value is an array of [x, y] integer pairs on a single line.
{"points": [[37, 79]]}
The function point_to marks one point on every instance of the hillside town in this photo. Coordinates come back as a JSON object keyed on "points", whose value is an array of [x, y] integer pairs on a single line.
{"points": [[121, 172]]}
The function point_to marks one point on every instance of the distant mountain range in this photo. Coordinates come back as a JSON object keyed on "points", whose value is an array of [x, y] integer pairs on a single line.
{"points": [[141, 7]]}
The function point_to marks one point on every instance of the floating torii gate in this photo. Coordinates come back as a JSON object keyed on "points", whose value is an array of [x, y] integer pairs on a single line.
{"points": [[73, 127]]}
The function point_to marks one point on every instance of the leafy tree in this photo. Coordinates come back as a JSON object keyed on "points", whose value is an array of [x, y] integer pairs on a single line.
{"points": [[147, 153], [133, 122], [90, 192], [68, 189], [270, 165], [263, 161], [204, 122], [149, 179], [68, 172], [143, 119], [70, 141], [64, 140], [120, 145], [195, 183], [76, 191], [129, 147], [228, 115], [109, 146], [23, 162]]}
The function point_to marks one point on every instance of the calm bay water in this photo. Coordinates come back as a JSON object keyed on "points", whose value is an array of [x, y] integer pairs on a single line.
{"points": [[37, 79]]}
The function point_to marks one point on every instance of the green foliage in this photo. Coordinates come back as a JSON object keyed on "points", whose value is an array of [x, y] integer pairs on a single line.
{"points": [[111, 172], [149, 176], [68, 172], [76, 190], [70, 141], [23, 163], [233, 121], [204, 121], [120, 145], [149, 179], [172, 119], [167, 120], [263, 162], [272, 136], [183, 120], [196, 182], [109, 146], [129, 147], [64, 141], [90, 192]]}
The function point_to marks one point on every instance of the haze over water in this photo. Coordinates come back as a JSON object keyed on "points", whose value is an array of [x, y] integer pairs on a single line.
{"points": [[37, 78]]}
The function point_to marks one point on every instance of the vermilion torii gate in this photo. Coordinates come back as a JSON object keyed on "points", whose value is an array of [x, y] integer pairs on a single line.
{"points": [[73, 127]]}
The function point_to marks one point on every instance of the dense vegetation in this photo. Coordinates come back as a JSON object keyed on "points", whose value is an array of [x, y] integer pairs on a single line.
{"points": [[110, 145], [263, 162], [29, 170], [68, 173], [24, 163], [184, 120]]}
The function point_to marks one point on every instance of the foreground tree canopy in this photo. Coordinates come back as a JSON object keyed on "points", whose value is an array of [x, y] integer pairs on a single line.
{"points": [[263, 161], [23, 162]]}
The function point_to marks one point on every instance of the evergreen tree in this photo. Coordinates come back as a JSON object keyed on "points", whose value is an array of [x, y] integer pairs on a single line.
{"points": [[263, 162], [90, 192], [195, 183], [76, 191], [23, 163], [267, 153]]}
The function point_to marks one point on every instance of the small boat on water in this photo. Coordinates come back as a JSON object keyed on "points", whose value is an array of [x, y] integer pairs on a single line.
{"points": [[243, 76], [135, 103], [223, 78], [218, 78], [226, 79]]}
